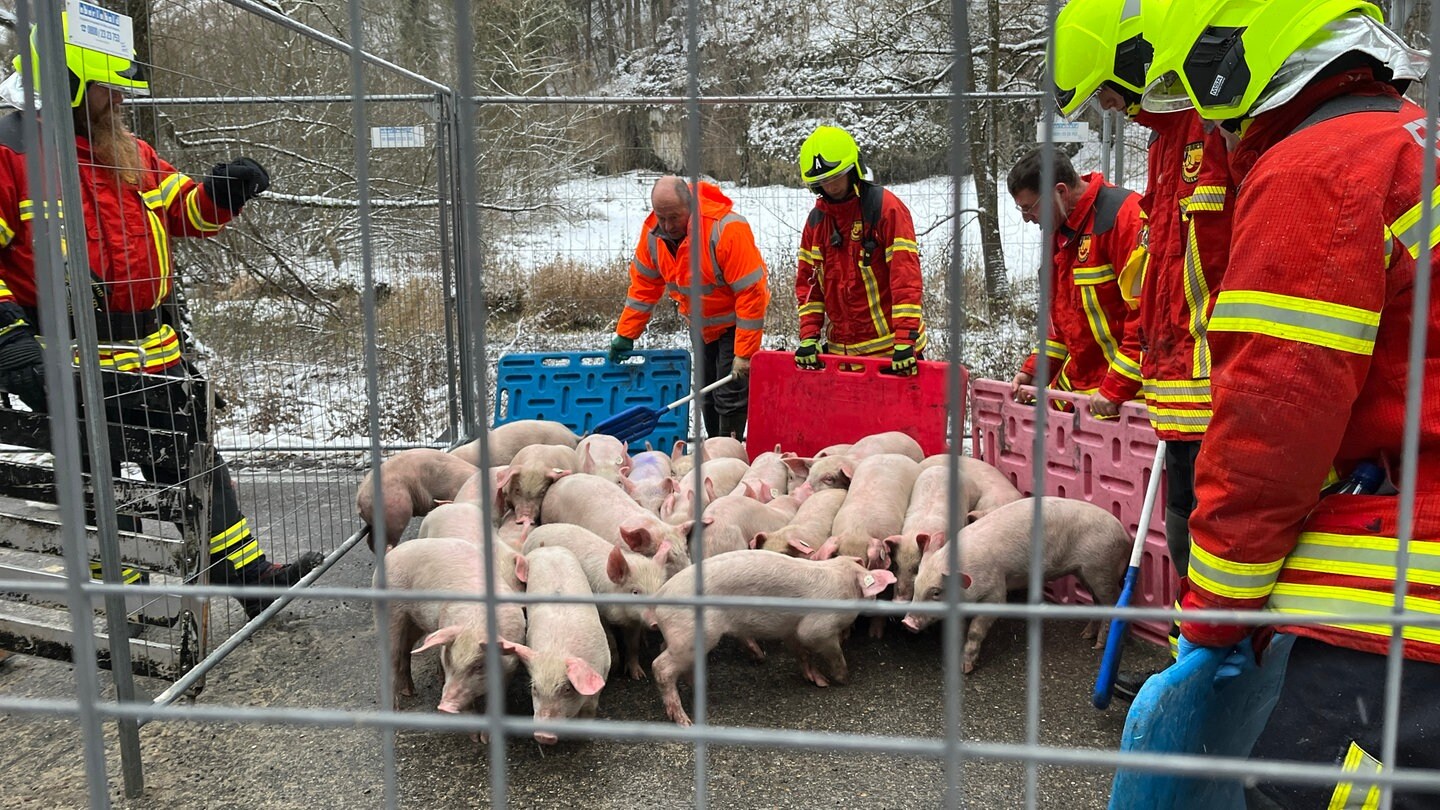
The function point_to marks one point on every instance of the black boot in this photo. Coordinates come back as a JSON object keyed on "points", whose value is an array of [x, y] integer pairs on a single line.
{"points": [[733, 424], [274, 575]]}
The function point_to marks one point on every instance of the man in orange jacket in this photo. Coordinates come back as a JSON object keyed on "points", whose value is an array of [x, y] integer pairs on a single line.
{"points": [[1311, 335], [1094, 339], [734, 290]]}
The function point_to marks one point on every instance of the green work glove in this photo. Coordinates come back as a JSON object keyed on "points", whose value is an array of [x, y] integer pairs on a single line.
{"points": [[903, 362], [620, 348], [808, 355]]}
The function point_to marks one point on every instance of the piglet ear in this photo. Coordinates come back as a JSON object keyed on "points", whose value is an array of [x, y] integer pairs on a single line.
{"points": [[556, 474], [826, 549], [923, 541], [872, 583], [678, 452], [663, 555], [583, 676], [973, 515], [627, 484], [848, 469], [965, 581], [439, 638], [799, 548], [758, 541], [616, 568], [522, 568], [520, 651], [636, 538]]}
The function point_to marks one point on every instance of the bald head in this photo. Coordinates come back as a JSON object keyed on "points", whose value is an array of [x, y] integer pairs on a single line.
{"points": [[670, 200]]}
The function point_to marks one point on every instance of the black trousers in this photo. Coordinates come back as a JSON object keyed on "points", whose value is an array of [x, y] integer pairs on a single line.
{"points": [[1179, 500], [1334, 697], [726, 408], [130, 398]]}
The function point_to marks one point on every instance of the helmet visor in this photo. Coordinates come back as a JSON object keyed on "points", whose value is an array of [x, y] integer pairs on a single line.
{"points": [[1166, 94], [1080, 109]]}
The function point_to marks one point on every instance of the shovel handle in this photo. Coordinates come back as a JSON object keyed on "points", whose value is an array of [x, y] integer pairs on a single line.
{"points": [[728, 378]]}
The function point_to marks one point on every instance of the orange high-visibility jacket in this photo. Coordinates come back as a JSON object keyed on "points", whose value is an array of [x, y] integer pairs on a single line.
{"points": [[1311, 337], [129, 231], [1094, 338], [872, 304], [734, 288], [1188, 205]]}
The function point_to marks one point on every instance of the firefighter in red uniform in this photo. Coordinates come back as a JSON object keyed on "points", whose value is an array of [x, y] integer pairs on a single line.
{"points": [[133, 203], [1310, 336], [1102, 52], [1094, 340], [858, 281], [734, 291]]}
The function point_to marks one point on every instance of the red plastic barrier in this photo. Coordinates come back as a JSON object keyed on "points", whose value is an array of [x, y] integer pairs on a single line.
{"points": [[805, 411], [1103, 461]]}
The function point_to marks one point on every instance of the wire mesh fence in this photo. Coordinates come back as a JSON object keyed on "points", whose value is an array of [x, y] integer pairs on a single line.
{"points": [[359, 307]]}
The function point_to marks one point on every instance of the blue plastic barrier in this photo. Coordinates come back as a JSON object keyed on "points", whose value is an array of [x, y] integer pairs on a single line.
{"points": [[579, 389]]}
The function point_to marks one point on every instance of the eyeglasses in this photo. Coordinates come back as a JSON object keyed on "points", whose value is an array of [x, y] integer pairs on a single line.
{"points": [[1028, 210]]}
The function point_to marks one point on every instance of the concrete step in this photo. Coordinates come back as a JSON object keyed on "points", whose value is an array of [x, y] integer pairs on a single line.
{"points": [[47, 631], [149, 605]]}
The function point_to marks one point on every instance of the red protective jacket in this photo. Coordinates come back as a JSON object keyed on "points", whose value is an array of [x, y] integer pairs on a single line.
{"points": [[129, 230], [1094, 337], [1188, 205], [733, 285], [1311, 334], [871, 306]]}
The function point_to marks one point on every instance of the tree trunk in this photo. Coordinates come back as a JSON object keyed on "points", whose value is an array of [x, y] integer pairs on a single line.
{"points": [[146, 126], [981, 125]]}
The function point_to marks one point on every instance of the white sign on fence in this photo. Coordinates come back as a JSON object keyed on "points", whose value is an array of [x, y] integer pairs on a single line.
{"points": [[1064, 131], [397, 137], [99, 29]]}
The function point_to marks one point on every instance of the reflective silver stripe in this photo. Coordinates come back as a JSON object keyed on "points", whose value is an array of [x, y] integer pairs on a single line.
{"points": [[1174, 416], [1333, 326], [1407, 227], [705, 289], [1132, 9], [1358, 794], [748, 280], [652, 243], [645, 270], [1186, 388], [638, 305], [750, 323], [715, 232], [719, 320]]}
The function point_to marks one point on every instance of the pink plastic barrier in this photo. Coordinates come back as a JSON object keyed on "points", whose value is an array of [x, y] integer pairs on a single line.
{"points": [[1105, 462]]}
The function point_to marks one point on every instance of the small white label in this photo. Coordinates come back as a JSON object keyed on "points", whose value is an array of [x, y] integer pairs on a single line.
{"points": [[1064, 131], [397, 137], [869, 580], [99, 29]]}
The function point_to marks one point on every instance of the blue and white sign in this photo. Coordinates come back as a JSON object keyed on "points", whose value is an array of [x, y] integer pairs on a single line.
{"points": [[99, 29], [1064, 131], [397, 137]]}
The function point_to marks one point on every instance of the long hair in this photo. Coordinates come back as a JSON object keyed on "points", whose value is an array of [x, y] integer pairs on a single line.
{"points": [[112, 145]]}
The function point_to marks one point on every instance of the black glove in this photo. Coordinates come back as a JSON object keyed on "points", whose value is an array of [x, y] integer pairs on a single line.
{"points": [[230, 185], [903, 363], [22, 366], [808, 355]]}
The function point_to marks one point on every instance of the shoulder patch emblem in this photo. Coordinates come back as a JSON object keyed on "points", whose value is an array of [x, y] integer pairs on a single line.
{"points": [[1082, 253], [857, 230], [1194, 152]]}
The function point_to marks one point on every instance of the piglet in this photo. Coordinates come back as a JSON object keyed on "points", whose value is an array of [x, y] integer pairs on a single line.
{"points": [[767, 478], [721, 476], [681, 464], [831, 472], [458, 628], [507, 439], [602, 455], [889, 442], [521, 486], [733, 520], [926, 522], [875, 507], [410, 483], [611, 570], [1080, 539], [725, 447], [464, 521], [565, 648], [764, 574], [605, 509], [808, 529]]}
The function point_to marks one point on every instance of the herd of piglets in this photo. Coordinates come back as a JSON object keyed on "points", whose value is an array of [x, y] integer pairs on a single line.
{"points": [[575, 517]]}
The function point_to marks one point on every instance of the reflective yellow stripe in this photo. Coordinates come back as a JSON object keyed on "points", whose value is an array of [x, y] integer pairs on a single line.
{"points": [[812, 308], [1343, 602], [235, 534], [161, 237], [1303, 320], [246, 554], [812, 256], [169, 188], [160, 350], [1100, 328], [7, 235], [1197, 298], [1365, 556], [1407, 227], [1093, 275], [1233, 580], [1346, 796], [1187, 391], [1057, 350], [197, 219], [902, 245], [128, 576], [27, 210], [905, 311], [880, 344], [1205, 198], [872, 299]]}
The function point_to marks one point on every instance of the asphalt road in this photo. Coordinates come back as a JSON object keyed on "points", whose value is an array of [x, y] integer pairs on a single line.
{"points": [[322, 654]]}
